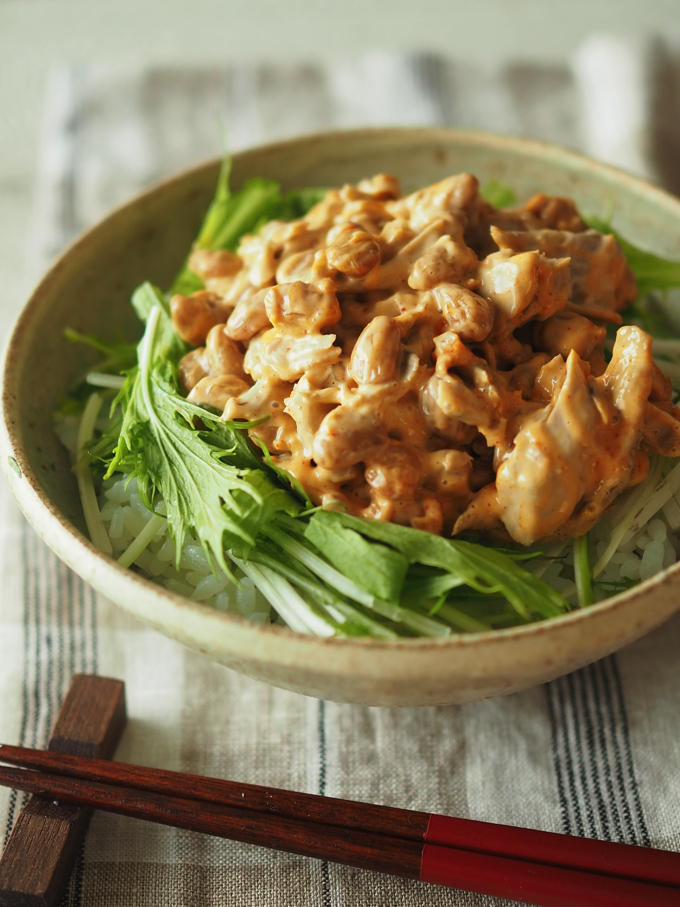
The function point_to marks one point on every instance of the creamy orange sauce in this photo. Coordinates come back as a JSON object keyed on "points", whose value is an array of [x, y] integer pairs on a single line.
{"points": [[433, 361]]}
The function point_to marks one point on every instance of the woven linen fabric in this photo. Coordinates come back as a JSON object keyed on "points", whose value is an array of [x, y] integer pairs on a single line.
{"points": [[595, 753]]}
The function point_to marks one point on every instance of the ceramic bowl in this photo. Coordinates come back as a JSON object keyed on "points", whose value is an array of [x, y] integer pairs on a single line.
{"points": [[88, 288]]}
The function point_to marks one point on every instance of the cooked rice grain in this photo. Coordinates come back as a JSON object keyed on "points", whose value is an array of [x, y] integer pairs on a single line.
{"points": [[125, 516]]}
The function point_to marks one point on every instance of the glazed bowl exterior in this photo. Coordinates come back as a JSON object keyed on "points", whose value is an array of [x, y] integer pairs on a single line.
{"points": [[88, 289]]}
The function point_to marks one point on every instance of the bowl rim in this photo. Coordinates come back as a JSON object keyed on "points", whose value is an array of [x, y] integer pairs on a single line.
{"points": [[58, 531]]}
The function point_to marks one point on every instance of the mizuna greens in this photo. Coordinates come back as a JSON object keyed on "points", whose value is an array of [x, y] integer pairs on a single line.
{"points": [[323, 571]]}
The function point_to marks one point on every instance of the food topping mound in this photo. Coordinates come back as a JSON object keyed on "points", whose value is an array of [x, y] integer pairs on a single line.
{"points": [[432, 361]]}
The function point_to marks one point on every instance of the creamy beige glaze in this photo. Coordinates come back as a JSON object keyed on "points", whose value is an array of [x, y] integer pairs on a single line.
{"points": [[433, 361]]}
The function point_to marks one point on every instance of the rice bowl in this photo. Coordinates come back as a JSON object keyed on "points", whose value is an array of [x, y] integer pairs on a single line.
{"points": [[400, 672]]}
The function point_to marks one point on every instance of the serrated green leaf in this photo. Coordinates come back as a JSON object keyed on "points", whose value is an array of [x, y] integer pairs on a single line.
{"points": [[223, 504]]}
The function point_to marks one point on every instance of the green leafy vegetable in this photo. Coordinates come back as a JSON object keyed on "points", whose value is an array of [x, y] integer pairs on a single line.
{"points": [[583, 571], [498, 194], [484, 569], [294, 546], [167, 343], [379, 569], [350, 619], [225, 505], [432, 585], [118, 356]]}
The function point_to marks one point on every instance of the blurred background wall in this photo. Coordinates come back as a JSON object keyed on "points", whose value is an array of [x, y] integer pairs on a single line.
{"points": [[594, 74]]}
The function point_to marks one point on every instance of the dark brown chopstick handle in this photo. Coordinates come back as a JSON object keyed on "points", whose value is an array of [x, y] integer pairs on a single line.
{"points": [[388, 820], [568, 851], [354, 848]]}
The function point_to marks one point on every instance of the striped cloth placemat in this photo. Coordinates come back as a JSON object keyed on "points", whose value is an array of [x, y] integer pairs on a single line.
{"points": [[595, 753]]}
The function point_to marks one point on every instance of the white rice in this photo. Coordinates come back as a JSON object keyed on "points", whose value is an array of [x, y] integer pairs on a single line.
{"points": [[654, 548], [125, 516]]}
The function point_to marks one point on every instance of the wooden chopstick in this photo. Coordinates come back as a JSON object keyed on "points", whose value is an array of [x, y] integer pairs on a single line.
{"points": [[625, 860], [519, 880], [400, 823], [488, 873]]}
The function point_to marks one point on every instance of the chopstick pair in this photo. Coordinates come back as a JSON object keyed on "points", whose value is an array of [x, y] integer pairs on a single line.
{"points": [[540, 868]]}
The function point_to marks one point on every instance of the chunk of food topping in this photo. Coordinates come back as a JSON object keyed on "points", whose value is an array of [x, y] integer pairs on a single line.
{"points": [[217, 392], [375, 354], [249, 316], [572, 457], [600, 275], [567, 331], [353, 251], [209, 263], [299, 309], [467, 314], [193, 316], [222, 354], [433, 361]]}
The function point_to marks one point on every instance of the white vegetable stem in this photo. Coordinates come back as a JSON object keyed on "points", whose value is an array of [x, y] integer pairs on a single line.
{"points": [[140, 543], [345, 586], [145, 349], [88, 497], [641, 507], [100, 379], [582, 571], [662, 494], [671, 511], [285, 598]]}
